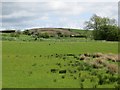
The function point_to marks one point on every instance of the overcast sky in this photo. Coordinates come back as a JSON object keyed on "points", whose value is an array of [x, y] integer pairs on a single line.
{"points": [[23, 15]]}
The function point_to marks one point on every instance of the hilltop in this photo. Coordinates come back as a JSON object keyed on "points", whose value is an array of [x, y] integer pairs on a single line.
{"points": [[52, 31], [58, 32]]}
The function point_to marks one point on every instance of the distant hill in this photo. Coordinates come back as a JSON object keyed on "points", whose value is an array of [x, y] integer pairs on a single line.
{"points": [[52, 31]]}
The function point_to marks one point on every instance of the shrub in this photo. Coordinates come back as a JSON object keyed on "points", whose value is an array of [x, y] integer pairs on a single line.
{"points": [[93, 73], [104, 63], [97, 55], [112, 68], [82, 79], [45, 35], [98, 61], [95, 65], [26, 32], [9, 38], [106, 32], [14, 34], [87, 54], [113, 58], [113, 78], [82, 57], [101, 79]]}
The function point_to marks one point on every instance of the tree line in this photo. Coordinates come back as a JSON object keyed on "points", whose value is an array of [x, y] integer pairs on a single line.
{"points": [[103, 28]]}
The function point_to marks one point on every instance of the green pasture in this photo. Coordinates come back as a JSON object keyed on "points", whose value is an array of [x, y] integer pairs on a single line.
{"points": [[28, 64], [50, 47]]}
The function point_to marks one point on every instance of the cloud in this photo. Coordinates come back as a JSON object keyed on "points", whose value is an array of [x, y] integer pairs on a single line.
{"points": [[61, 0], [21, 15]]}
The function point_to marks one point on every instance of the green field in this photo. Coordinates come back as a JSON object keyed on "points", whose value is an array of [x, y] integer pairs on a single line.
{"points": [[29, 64], [0, 64]]}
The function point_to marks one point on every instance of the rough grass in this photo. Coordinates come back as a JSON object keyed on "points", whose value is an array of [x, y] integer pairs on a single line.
{"points": [[29, 64], [0, 64], [45, 48]]}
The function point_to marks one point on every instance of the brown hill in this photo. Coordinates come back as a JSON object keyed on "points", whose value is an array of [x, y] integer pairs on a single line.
{"points": [[52, 31]]}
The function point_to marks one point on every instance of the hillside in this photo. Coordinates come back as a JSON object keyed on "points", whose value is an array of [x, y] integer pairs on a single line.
{"points": [[52, 31]]}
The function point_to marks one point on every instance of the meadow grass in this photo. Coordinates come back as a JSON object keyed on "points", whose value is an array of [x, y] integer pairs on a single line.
{"points": [[28, 64], [37, 48], [0, 64]]}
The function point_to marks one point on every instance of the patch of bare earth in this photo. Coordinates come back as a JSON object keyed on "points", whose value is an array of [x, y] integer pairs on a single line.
{"points": [[100, 60]]}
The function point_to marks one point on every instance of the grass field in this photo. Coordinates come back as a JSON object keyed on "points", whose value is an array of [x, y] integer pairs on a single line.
{"points": [[0, 64], [29, 64]]}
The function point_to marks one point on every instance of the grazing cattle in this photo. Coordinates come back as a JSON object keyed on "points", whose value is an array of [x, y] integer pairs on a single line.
{"points": [[53, 70], [70, 54], [62, 71]]}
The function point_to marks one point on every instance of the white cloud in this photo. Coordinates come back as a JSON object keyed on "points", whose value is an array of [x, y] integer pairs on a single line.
{"points": [[44, 18], [18, 14], [106, 10], [56, 14], [57, 4], [60, 0]]}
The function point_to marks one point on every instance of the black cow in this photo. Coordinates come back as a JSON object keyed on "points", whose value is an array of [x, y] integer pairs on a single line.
{"points": [[62, 71], [53, 70]]}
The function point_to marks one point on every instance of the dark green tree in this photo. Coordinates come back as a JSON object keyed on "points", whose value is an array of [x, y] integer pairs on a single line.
{"points": [[103, 28], [106, 32], [96, 22]]}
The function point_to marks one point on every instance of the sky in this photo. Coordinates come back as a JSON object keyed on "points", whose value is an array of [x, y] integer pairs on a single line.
{"points": [[22, 15]]}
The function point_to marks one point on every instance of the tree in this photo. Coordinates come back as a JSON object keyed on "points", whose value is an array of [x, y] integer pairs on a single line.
{"points": [[60, 34], [26, 32], [45, 35], [111, 32], [93, 23], [107, 32], [15, 34], [96, 22], [104, 28]]}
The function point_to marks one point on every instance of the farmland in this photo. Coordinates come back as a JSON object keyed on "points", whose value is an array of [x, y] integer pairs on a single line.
{"points": [[59, 44], [59, 64]]}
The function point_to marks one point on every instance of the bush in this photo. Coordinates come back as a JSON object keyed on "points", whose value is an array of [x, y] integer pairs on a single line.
{"points": [[95, 65], [14, 34], [112, 68], [60, 34], [9, 38], [99, 61], [45, 35], [101, 79], [26, 32], [82, 57], [106, 32]]}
